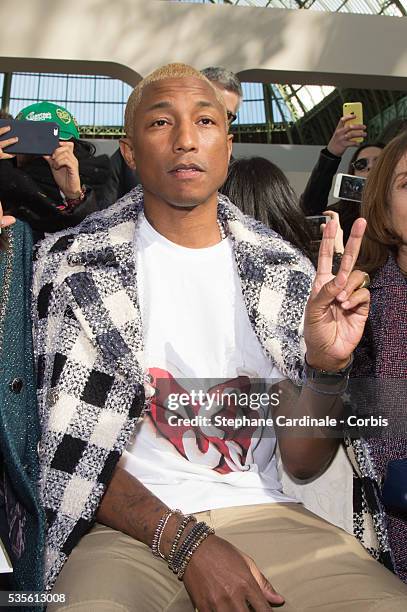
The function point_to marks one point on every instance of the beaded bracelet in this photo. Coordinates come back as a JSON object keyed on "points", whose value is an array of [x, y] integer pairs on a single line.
{"points": [[187, 519], [209, 531], [155, 544], [196, 531], [73, 202]]}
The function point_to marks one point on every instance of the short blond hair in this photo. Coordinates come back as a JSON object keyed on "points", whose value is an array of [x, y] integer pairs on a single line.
{"points": [[169, 71]]}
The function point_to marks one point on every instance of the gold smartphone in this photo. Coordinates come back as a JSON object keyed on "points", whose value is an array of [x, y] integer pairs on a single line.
{"points": [[357, 109]]}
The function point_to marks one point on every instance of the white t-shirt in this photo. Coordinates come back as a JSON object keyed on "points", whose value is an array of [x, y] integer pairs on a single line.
{"points": [[197, 331]]}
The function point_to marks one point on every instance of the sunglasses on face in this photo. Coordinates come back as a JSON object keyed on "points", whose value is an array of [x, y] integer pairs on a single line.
{"points": [[231, 116], [362, 163]]}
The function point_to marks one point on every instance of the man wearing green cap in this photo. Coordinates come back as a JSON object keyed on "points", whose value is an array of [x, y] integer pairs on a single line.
{"points": [[62, 192]]}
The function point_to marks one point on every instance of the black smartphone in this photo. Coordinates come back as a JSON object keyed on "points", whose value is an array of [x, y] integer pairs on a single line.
{"points": [[34, 137], [314, 225]]}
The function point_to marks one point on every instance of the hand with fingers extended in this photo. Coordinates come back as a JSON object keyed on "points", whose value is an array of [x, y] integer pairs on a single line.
{"points": [[338, 306], [344, 134], [220, 578], [5, 143], [65, 169]]}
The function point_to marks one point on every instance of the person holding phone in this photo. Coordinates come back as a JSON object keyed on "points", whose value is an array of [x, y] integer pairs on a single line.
{"points": [[314, 199], [55, 191]]}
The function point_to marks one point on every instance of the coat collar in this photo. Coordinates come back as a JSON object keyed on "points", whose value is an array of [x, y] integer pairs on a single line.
{"points": [[119, 227], [269, 269]]}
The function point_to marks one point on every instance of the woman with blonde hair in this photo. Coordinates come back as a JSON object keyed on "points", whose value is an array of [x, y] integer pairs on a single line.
{"points": [[382, 356]]}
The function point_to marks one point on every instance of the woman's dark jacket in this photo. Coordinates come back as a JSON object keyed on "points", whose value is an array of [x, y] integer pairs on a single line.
{"points": [[20, 512]]}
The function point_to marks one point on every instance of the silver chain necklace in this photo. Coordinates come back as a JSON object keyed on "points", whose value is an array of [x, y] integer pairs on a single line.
{"points": [[221, 230]]}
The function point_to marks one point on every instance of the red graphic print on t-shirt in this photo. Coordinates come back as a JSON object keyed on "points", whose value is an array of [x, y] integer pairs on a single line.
{"points": [[224, 447]]}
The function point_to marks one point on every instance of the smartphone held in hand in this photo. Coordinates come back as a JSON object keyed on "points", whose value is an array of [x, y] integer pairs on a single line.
{"points": [[314, 225], [356, 109], [349, 187], [34, 137]]}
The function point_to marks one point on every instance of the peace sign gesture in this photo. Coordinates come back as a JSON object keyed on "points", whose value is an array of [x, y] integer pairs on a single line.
{"points": [[338, 307]]}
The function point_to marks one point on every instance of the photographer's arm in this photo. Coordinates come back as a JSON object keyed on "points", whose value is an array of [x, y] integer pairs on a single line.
{"points": [[315, 197]]}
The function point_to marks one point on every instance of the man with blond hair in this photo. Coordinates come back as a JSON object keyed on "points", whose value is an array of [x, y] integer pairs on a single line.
{"points": [[173, 295]]}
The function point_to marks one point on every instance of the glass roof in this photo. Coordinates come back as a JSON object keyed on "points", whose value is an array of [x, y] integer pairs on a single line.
{"points": [[293, 101], [395, 8]]}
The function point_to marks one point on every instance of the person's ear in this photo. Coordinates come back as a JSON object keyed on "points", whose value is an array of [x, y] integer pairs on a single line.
{"points": [[126, 149]]}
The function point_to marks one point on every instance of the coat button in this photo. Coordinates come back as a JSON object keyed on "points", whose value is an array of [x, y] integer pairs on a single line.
{"points": [[16, 385]]}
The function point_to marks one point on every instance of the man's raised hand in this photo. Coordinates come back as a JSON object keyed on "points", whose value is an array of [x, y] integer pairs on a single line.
{"points": [[337, 309]]}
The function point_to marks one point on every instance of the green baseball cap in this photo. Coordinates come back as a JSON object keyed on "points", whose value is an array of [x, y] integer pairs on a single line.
{"points": [[47, 111]]}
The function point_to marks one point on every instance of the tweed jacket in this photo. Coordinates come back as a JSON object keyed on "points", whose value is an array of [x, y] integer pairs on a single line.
{"points": [[89, 348], [92, 383]]}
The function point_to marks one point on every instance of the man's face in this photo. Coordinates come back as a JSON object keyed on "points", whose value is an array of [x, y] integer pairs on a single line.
{"points": [[180, 144]]}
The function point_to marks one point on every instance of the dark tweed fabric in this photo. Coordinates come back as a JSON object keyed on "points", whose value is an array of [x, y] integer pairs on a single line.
{"points": [[382, 355]]}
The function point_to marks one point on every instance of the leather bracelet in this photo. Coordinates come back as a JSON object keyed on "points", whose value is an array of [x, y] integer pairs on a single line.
{"points": [[187, 519], [209, 531]]}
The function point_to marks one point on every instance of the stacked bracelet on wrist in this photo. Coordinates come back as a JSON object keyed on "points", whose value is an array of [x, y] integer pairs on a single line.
{"points": [[187, 519], [198, 541], [179, 556], [188, 547], [162, 523]]}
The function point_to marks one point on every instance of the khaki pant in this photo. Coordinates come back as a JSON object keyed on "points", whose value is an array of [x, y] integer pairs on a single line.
{"points": [[314, 565]]}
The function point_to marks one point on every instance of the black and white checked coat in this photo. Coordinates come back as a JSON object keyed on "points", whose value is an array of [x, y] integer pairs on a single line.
{"points": [[92, 383]]}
